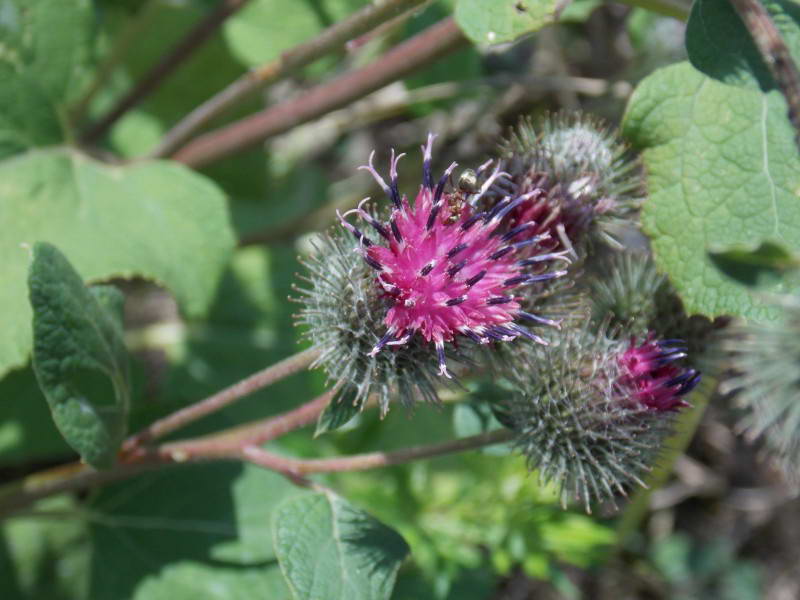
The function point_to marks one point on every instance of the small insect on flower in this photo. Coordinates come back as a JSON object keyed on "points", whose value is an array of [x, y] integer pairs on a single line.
{"points": [[448, 269]]}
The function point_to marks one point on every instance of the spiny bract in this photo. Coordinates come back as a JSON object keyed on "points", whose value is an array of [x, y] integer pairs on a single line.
{"points": [[589, 184], [448, 269], [591, 412], [343, 312], [765, 361]]}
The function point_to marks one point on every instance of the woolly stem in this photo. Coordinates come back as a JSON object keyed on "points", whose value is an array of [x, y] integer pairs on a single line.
{"points": [[223, 398], [674, 446], [425, 47], [195, 38], [290, 61]]}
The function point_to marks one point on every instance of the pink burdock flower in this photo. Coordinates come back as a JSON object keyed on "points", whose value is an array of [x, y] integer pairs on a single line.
{"points": [[449, 269], [649, 376]]}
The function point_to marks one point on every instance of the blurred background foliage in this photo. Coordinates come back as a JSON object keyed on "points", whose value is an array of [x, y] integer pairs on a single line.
{"points": [[479, 526]]}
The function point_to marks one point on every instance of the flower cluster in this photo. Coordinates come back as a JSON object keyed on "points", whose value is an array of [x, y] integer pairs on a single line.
{"points": [[395, 295]]}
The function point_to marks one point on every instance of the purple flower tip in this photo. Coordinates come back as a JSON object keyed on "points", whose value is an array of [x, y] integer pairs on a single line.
{"points": [[650, 376], [448, 269]]}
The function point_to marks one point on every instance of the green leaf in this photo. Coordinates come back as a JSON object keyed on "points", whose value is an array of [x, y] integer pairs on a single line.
{"points": [[27, 431], [47, 42], [153, 219], [722, 170], [720, 45], [502, 20], [329, 549], [199, 531], [763, 264], [204, 73], [45, 557], [43, 45], [578, 11], [338, 413], [79, 357], [27, 116], [255, 36]]}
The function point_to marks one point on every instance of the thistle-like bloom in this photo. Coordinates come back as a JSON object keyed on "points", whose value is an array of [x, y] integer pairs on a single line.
{"points": [[448, 269], [591, 413], [627, 292], [650, 377], [589, 186]]}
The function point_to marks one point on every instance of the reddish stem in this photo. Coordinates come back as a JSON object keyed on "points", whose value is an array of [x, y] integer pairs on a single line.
{"points": [[424, 47], [195, 38], [221, 399]]}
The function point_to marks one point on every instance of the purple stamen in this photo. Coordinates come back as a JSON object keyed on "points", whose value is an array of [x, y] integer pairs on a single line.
{"points": [[475, 279], [456, 268]]}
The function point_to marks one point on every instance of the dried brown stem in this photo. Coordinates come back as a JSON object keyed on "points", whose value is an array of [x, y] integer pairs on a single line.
{"points": [[290, 61], [195, 38], [223, 398], [421, 49], [775, 55]]}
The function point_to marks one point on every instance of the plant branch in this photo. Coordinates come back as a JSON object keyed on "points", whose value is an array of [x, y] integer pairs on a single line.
{"points": [[219, 446], [373, 460], [228, 443], [290, 61], [775, 55], [421, 49], [64, 478], [239, 443], [223, 398], [195, 38]]}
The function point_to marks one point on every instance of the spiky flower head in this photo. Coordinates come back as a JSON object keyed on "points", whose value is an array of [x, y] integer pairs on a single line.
{"points": [[343, 312], [588, 182], [593, 410], [450, 271], [765, 361], [624, 288], [627, 291]]}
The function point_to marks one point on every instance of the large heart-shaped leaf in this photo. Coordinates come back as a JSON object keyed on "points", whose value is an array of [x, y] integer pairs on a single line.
{"points": [[156, 219], [722, 170]]}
